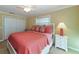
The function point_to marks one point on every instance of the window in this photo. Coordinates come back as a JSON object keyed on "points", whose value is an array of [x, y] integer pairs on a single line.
{"points": [[43, 21]]}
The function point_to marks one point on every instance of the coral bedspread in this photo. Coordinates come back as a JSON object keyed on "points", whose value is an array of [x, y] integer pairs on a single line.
{"points": [[28, 42]]}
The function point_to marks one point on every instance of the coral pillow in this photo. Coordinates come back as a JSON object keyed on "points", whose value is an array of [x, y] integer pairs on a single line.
{"points": [[37, 28], [48, 29], [42, 29], [33, 28]]}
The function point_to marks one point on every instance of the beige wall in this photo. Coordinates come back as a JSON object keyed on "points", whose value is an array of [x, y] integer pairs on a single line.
{"points": [[30, 21], [0, 27], [70, 16]]}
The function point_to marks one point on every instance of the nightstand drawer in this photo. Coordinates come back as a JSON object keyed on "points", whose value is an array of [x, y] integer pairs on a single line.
{"points": [[61, 42]]}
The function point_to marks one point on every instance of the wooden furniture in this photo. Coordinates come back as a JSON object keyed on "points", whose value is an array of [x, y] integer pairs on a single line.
{"points": [[61, 42]]}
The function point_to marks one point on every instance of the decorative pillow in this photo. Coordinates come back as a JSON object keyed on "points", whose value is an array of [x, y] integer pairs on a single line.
{"points": [[49, 29], [37, 28], [33, 28], [42, 29]]}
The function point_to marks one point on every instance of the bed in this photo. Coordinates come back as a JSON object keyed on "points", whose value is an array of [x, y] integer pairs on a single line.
{"points": [[30, 42]]}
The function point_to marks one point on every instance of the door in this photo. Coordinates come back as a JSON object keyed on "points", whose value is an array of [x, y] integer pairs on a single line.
{"points": [[21, 25], [12, 25], [9, 26]]}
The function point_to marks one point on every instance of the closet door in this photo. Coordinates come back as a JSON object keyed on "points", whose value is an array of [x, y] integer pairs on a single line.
{"points": [[9, 26], [20, 25], [12, 25]]}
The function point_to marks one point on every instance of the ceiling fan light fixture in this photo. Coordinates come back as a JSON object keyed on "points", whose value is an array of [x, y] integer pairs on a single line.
{"points": [[27, 9]]}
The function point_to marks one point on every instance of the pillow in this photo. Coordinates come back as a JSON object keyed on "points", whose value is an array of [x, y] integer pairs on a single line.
{"points": [[33, 28], [37, 29], [48, 29], [42, 29]]}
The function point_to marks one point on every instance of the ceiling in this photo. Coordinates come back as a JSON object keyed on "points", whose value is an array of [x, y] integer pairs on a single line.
{"points": [[37, 10]]}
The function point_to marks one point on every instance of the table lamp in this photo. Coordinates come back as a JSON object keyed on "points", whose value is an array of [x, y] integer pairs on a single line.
{"points": [[61, 28]]}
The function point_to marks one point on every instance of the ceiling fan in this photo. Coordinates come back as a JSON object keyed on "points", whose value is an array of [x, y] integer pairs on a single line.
{"points": [[26, 8]]}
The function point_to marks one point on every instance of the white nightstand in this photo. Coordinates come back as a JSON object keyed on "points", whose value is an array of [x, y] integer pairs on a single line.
{"points": [[61, 42]]}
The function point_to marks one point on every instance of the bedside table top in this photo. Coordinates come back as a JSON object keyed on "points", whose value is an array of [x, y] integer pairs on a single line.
{"points": [[61, 36]]}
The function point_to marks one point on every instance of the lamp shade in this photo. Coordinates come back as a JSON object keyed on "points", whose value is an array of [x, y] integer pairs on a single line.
{"points": [[62, 25], [61, 28]]}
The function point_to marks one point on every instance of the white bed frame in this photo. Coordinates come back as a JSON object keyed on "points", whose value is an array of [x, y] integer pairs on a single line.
{"points": [[10, 47], [44, 51]]}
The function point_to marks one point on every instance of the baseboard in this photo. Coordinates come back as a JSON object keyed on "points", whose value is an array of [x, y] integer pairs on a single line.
{"points": [[77, 50]]}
